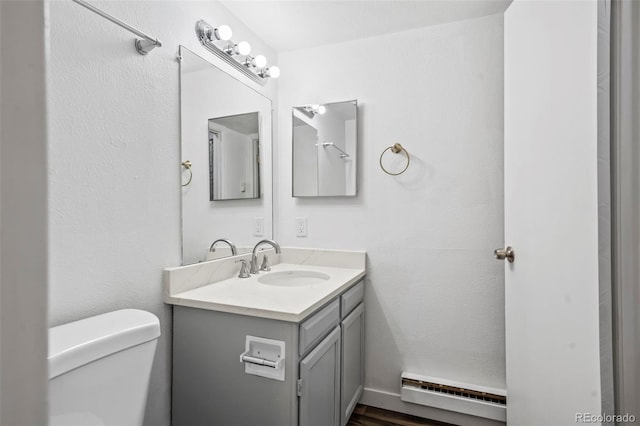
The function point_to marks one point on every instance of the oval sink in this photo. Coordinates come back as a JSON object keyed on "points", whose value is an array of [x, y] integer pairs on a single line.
{"points": [[293, 278]]}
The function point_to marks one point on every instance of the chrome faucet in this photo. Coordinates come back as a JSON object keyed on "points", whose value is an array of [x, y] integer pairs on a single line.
{"points": [[254, 256], [234, 251], [244, 269]]}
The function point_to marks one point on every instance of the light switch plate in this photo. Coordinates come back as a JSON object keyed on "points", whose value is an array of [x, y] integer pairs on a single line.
{"points": [[258, 227], [301, 226]]}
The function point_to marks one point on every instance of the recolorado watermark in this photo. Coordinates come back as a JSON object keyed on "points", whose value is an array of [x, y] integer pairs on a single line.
{"points": [[605, 418]]}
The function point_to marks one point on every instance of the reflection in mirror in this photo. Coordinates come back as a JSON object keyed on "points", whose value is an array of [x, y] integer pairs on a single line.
{"points": [[234, 153], [324, 149], [226, 137]]}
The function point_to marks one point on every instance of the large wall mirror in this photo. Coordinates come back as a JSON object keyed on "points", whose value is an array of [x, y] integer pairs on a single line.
{"points": [[227, 146], [324, 149]]}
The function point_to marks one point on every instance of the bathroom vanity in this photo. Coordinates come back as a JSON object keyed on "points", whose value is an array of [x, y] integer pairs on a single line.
{"points": [[284, 347]]}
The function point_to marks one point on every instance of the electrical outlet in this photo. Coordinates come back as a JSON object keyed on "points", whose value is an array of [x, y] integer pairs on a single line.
{"points": [[258, 227], [301, 226]]}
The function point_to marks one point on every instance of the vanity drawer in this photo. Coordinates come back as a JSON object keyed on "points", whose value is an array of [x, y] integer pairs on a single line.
{"points": [[316, 327], [351, 298]]}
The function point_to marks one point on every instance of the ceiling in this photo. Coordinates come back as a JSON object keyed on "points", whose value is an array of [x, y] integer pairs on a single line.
{"points": [[246, 124], [296, 24]]}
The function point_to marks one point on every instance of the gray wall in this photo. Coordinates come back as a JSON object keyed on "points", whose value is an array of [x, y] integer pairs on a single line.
{"points": [[604, 206], [23, 248], [625, 156]]}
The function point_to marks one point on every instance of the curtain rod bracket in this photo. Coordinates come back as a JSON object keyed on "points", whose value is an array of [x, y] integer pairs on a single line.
{"points": [[145, 46]]}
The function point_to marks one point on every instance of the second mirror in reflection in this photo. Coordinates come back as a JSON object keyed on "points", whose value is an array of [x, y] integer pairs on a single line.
{"points": [[234, 155]]}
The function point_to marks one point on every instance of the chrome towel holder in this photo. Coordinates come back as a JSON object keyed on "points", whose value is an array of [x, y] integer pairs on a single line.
{"points": [[343, 154], [187, 165], [396, 148]]}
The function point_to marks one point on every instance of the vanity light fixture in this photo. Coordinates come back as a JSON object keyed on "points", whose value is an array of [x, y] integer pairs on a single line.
{"points": [[259, 61], [243, 48], [223, 32], [235, 54]]}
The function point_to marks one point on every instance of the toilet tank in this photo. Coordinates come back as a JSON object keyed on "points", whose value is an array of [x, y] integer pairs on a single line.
{"points": [[99, 369]]}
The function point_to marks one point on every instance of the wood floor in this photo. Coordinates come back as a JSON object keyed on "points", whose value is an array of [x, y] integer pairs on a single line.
{"points": [[364, 415]]}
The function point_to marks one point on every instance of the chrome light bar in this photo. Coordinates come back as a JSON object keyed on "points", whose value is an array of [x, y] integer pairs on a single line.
{"points": [[235, 54]]}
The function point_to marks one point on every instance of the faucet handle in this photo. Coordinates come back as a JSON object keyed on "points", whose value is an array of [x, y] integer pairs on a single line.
{"points": [[265, 264], [244, 269]]}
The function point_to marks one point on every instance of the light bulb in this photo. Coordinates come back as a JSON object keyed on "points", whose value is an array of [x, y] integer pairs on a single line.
{"points": [[260, 61], [273, 72], [223, 32], [322, 109], [243, 48]]}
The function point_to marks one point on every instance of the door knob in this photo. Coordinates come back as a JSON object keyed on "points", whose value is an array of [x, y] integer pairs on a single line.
{"points": [[505, 253]]}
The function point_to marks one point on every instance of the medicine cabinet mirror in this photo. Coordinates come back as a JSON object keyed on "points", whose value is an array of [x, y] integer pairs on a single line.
{"points": [[324, 149], [226, 154]]}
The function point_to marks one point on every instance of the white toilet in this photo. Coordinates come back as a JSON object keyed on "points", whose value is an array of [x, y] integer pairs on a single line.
{"points": [[99, 369]]}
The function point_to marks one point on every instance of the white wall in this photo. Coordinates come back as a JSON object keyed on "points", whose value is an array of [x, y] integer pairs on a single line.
{"points": [[240, 149], [23, 225], [306, 160], [114, 165], [434, 293], [331, 168], [350, 145]]}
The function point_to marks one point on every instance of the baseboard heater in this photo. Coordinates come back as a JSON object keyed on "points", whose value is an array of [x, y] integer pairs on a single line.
{"points": [[474, 400]]}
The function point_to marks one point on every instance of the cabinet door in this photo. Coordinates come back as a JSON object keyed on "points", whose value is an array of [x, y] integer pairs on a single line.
{"points": [[319, 386], [352, 362]]}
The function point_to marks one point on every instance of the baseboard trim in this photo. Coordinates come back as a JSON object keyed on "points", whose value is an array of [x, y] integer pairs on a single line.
{"points": [[391, 401]]}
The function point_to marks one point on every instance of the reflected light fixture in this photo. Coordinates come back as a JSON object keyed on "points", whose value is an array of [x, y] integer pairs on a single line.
{"points": [[235, 54], [312, 110], [273, 72]]}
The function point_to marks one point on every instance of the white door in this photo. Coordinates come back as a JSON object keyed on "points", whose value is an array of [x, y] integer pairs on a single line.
{"points": [[551, 215]]}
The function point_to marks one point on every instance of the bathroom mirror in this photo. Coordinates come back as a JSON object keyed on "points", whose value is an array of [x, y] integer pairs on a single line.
{"points": [[324, 149], [226, 143], [234, 157]]}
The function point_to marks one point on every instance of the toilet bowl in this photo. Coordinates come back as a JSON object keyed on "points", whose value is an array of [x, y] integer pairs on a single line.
{"points": [[99, 369]]}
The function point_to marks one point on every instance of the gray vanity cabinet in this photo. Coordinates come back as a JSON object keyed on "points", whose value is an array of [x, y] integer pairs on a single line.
{"points": [[352, 377], [323, 369]]}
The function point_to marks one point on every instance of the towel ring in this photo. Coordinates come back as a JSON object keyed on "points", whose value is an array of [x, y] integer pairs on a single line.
{"points": [[396, 148], [187, 165]]}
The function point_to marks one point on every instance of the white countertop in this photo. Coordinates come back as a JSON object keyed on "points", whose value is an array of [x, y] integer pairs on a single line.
{"points": [[247, 296]]}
